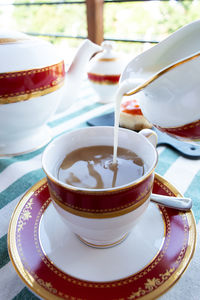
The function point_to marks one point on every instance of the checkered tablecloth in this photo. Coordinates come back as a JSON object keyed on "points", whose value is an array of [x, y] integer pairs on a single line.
{"points": [[19, 173]]}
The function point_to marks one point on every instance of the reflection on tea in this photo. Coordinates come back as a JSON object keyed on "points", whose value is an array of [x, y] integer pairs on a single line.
{"points": [[92, 167]]}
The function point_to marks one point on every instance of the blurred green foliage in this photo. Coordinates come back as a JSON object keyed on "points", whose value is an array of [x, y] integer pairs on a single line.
{"points": [[146, 20]]}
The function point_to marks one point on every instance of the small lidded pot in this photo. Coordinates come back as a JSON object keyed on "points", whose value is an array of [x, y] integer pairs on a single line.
{"points": [[104, 71]]}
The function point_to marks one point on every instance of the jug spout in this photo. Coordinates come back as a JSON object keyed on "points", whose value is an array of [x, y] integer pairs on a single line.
{"points": [[75, 73]]}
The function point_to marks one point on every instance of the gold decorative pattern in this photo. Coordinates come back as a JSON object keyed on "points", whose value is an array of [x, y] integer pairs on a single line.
{"points": [[32, 93], [4, 41], [40, 189], [183, 127], [27, 72], [164, 187], [122, 282], [43, 288], [101, 213], [47, 285], [108, 59], [25, 215], [151, 284]]}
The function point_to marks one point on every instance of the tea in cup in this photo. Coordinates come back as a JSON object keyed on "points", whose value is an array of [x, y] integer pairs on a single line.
{"points": [[93, 168], [99, 201]]}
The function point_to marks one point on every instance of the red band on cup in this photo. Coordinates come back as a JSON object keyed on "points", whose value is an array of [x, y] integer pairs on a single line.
{"points": [[23, 85], [101, 204]]}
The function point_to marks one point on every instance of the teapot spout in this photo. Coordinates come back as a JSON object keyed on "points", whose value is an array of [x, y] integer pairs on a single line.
{"points": [[83, 54], [75, 73]]}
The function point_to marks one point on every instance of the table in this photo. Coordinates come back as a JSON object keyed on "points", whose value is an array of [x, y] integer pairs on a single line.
{"points": [[19, 173]]}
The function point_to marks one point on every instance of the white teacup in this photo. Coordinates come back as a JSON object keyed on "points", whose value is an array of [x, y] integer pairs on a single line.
{"points": [[101, 217]]}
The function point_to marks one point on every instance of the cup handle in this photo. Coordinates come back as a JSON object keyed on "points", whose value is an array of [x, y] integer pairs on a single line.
{"points": [[150, 135]]}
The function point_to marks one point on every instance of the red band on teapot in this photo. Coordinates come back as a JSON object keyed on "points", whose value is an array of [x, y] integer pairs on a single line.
{"points": [[24, 85], [103, 79], [189, 131]]}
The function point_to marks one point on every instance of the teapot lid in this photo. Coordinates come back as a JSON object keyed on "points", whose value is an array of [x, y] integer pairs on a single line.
{"points": [[19, 51]]}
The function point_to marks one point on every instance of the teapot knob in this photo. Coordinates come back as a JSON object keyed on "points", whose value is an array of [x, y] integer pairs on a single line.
{"points": [[107, 45]]}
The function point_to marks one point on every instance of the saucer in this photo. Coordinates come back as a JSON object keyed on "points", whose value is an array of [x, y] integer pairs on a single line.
{"points": [[55, 264], [31, 142]]}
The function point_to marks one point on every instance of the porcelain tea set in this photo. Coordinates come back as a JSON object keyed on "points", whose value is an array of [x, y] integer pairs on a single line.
{"points": [[34, 85]]}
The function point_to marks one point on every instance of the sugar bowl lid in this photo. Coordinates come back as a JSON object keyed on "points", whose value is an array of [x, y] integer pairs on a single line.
{"points": [[107, 62]]}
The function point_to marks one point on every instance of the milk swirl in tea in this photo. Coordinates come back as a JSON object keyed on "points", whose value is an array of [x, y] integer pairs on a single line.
{"points": [[92, 167]]}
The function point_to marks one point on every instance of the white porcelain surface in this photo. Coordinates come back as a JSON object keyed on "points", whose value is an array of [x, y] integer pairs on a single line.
{"points": [[172, 99], [105, 93], [102, 232], [23, 123], [30, 53], [75, 73], [73, 257], [107, 62]]}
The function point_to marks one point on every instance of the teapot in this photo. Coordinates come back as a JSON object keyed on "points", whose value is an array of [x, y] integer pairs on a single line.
{"points": [[166, 79], [32, 77]]}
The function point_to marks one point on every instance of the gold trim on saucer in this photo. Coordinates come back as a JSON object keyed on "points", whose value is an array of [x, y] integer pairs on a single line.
{"points": [[191, 244], [46, 289], [154, 77], [157, 257], [22, 272]]}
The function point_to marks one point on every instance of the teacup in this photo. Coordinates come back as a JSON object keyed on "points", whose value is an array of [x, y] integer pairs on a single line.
{"points": [[101, 217]]}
